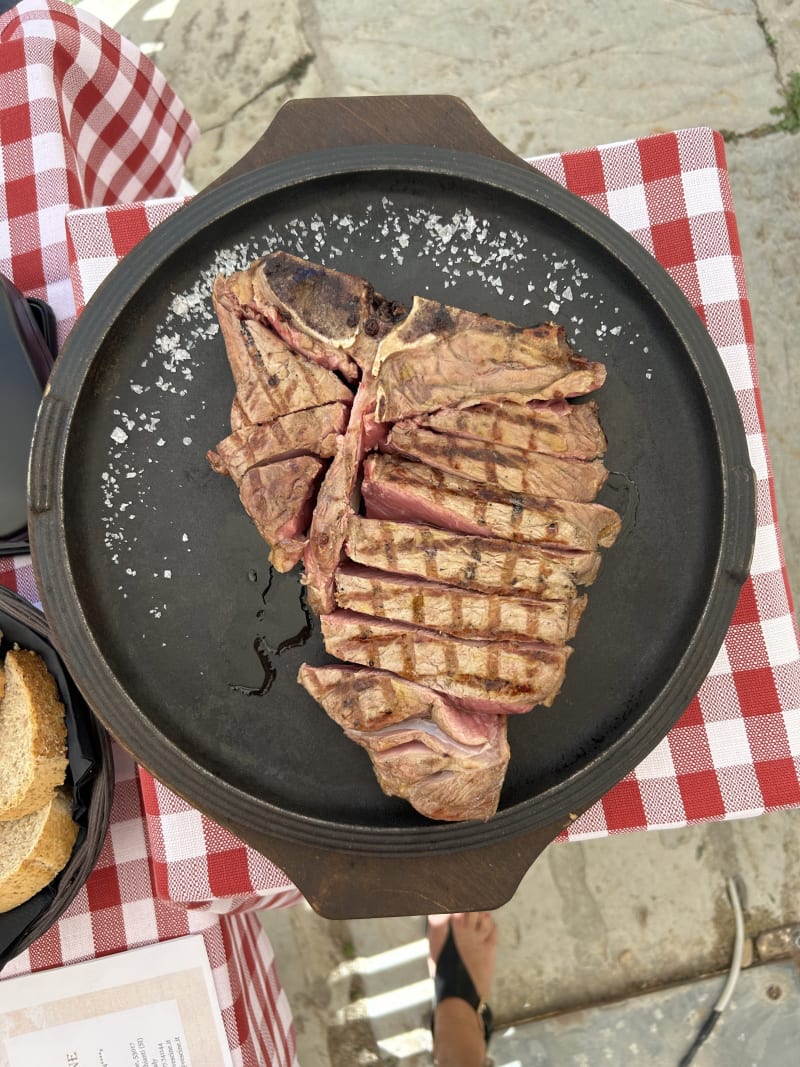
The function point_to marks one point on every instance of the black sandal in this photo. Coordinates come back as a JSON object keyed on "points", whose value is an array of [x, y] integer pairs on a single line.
{"points": [[452, 980]]}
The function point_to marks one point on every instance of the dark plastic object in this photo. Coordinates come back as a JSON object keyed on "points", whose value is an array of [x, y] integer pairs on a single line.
{"points": [[196, 673], [90, 775], [27, 351]]}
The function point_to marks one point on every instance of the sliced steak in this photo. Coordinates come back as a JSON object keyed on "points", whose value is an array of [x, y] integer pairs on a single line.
{"points": [[487, 676], [279, 497], [456, 611], [293, 382], [337, 501], [558, 428], [395, 488], [270, 379], [448, 764], [442, 357], [452, 788], [487, 564], [512, 469], [361, 698], [440, 778], [313, 431]]}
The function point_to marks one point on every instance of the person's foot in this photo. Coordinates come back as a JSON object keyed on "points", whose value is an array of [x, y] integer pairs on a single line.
{"points": [[475, 934]]}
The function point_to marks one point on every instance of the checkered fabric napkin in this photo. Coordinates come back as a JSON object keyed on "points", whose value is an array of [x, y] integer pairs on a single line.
{"points": [[736, 751], [118, 909], [85, 120]]}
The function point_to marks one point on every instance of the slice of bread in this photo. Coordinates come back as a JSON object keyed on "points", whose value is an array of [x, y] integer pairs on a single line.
{"points": [[33, 736], [34, 849]]}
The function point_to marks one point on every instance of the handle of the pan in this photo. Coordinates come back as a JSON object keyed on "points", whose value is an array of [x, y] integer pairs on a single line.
{"points": [[335, 122], [354, 885], [742, 511]]}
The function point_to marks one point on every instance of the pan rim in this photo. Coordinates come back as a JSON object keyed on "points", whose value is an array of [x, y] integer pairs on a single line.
{"points": [[230, 805]]}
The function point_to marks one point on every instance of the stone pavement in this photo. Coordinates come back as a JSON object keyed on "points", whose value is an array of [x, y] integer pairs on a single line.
{"points": [[606, 918]]}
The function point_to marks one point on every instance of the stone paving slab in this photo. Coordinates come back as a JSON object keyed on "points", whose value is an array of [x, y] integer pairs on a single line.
{"points": [[765, 179], [780, 21], [545, 76]]}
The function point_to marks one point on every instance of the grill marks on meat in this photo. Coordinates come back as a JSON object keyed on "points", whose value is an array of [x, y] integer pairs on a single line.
{"points": [[510, 468], [452, 601], [485, 564], [271, 380], [421, 364], [395, 488], [444, 761], [456, 611], [360, 698], [556, 429], [334, 318], [487, 676], [310, 432]]}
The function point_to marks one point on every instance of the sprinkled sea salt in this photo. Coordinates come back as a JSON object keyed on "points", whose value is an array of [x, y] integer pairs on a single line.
{"points": [[170, 380]]}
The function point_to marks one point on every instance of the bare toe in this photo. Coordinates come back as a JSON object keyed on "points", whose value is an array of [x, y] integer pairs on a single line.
{"points": [[476, 936]]}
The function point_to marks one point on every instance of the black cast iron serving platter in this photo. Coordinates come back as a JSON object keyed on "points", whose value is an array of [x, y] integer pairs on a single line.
{"points": [[158, 587]]}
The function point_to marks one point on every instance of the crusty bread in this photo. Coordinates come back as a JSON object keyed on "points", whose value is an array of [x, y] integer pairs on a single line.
{"points": [[34, 849], [2, 680], [33, 736]]}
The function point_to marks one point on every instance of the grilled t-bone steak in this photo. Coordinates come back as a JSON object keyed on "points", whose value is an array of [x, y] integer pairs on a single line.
{"points": [[478, 675], [395, 488], [313, 431], [271, 380], [437, 484]]}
